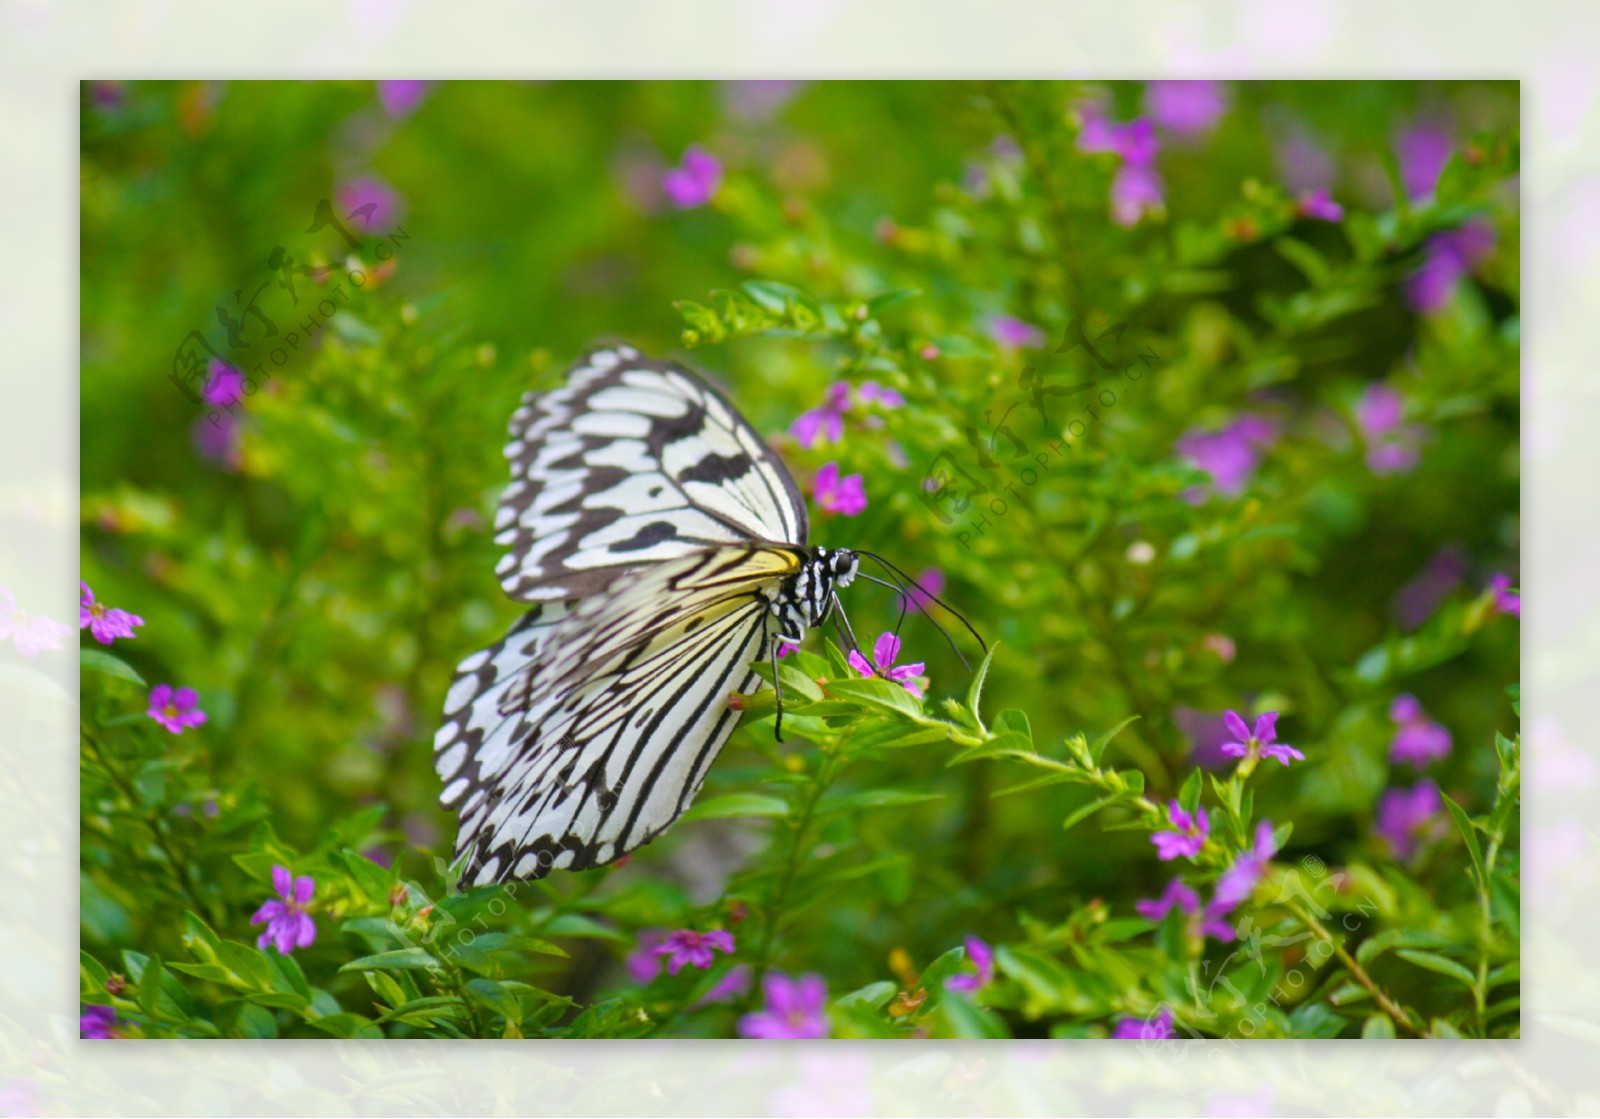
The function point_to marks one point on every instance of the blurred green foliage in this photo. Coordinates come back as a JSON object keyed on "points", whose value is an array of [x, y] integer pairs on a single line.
{"points": [[316, 560]]}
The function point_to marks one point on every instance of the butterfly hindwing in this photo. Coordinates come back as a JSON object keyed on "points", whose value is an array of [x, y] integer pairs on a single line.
{"points": [[590, 728], [632, 461]]}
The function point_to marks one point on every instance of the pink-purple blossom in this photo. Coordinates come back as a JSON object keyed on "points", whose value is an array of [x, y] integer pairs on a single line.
{"points": [[1240, 879], [1423, 150], [731, 986], [1186, 108], [97, 1022], [1158, 1028], [1136, 190], [695, 180], [695, 949], [1506, 600], [1319, 206], [1014, 334], [1408, 818], [1201, 922], [1415, 602], [1189, 836], [845, 495], [885, 651], [289, 926], [1393, 446], [224, 385], [1447, 257], [795, 1009], [400, 98], [1260, 742], [175, 708], [1176, 894], [373, 205], [32, 634], [104, 623], [825, 422], [981, 957], [643, 963], [1418, 740], [1230, 455], [871, 393], [754, 101], [216, 438], [928, 585]]}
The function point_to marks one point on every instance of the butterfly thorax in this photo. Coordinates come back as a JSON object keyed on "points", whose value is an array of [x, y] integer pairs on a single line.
{"points": [[806, 598]]}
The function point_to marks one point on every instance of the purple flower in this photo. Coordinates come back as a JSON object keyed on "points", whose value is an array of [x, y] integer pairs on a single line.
{"points": [[1207, 731], [175, 709], [32, 634], [884, 653], [871, 392], [1176, 894], [1419, 740], [1392, 445], [1014, 334], [795, 1009], [1447, 257], [1423, 150], [1261, 742], [1134, 141], [224, 385], [693, 182], [785, 646], [105, 624], [729, 987], [827, 421], [643, 963], [96, 1022], [1506, 600], [1305, 164], [216, 437], [1135, 191], [846, 496], [755, 101], [1186, 108], [980, 956], [1415, 602], [400, 98], [693, 948], [289, 926], [1240, 879], [1410, 817], [1230, 455], [1212, 920], [371, 202], [928, 585], [1145, 1029], [1319, 206], [1188, 839]]}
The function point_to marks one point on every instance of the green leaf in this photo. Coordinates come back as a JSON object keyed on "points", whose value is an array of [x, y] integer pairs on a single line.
{"points": [[873, 798], [969, 1021], [96, 660], [495, 997], [879, 695], [1468, 833], [1088, 810], [1189, 794], [1440, 964], [871, 997], [975, 689], [730, 806], [515, 942], [1379, 1027], [399, 958], [1097, 748], [1013, 721]]}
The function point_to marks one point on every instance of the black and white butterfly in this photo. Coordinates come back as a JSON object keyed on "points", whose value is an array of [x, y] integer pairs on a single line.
{"points": [[663, 547]]}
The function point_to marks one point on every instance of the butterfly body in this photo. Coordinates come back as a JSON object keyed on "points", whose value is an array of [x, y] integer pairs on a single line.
{"points": [[662, 548]]}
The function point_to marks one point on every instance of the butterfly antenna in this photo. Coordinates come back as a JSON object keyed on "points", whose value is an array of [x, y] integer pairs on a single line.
{"points": [[905, 582]]}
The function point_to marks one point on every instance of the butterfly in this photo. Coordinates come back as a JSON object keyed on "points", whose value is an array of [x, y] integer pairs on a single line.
{"points": [[661, 546]]}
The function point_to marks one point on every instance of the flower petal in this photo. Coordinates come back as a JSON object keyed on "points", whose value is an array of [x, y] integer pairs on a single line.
{"points": [[303, 887], [1267, 726], [1236, 726], [858, 662], [282, 881]]}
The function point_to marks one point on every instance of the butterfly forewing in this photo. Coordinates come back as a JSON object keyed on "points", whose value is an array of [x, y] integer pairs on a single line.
{"points": [[632, 462]]}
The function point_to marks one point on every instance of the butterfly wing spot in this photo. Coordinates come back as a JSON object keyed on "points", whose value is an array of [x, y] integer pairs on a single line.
{"points": [[649, 536]]}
